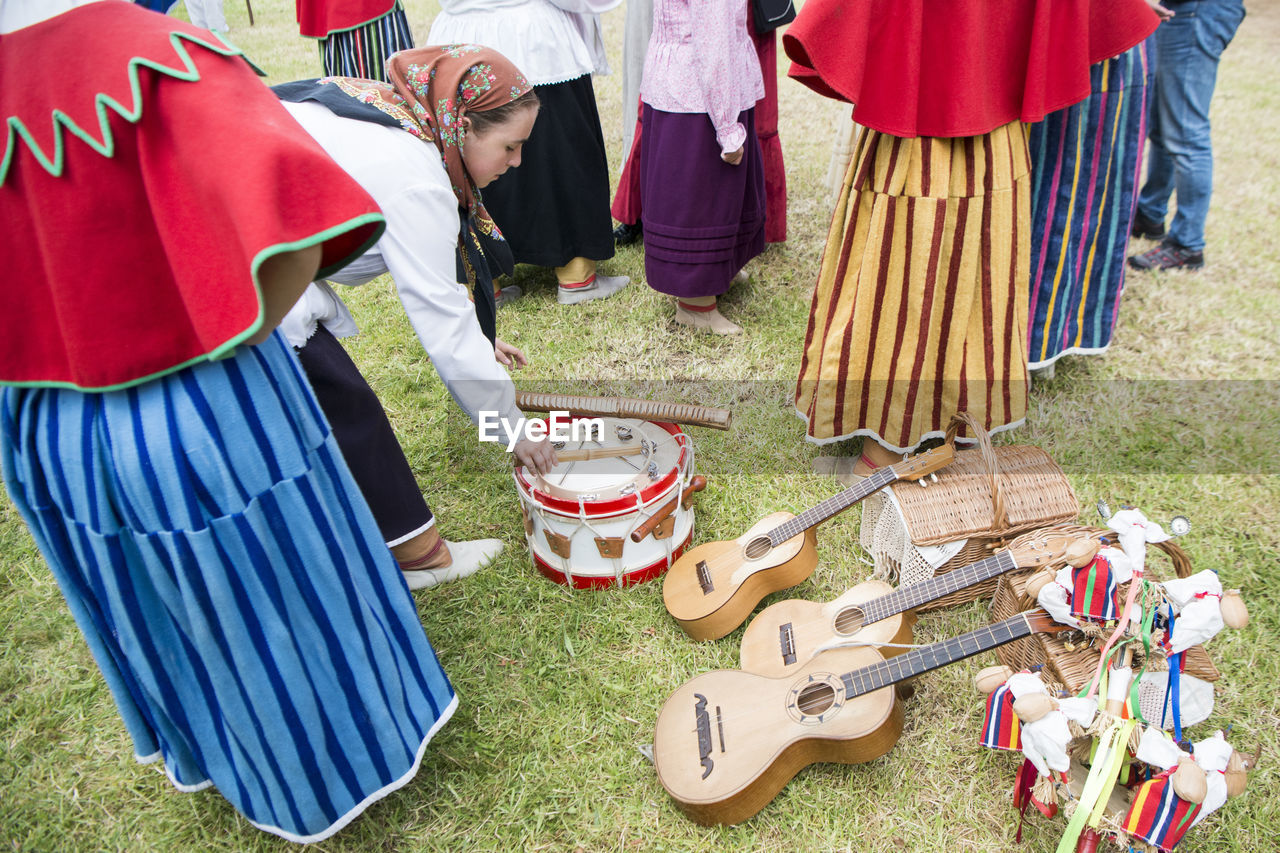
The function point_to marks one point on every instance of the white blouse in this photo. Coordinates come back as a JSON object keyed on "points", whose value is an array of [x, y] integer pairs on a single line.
{"points": [[550, 41], [406, 177]]}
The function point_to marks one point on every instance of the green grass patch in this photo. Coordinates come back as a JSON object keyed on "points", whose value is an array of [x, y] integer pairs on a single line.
{"points": [[559, 690]]}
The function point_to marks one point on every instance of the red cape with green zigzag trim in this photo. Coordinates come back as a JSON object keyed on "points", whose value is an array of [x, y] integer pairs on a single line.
{"points": [[146, 174]]}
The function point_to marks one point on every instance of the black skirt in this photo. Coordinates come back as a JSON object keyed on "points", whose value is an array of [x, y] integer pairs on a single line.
{"points": [[554, 206], [365, 437]]}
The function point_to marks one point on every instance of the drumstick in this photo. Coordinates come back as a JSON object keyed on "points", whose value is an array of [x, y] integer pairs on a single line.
{"points": [[586, 453], [697, 484], [625, 407]]}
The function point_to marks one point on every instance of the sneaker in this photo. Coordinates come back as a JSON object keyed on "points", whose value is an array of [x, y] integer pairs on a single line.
{"points": [[468, 558], [1168, 256], [1144, 227], [507, 295], [603, 286], [625, 235]]}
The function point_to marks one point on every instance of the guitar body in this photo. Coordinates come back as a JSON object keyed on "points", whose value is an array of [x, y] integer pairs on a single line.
{"points": [[785, 635], [728, 741], [712, 588]]}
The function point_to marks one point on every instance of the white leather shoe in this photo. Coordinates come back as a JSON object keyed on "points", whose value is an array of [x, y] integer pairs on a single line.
{"points": [[603, 286], [468, 558]]}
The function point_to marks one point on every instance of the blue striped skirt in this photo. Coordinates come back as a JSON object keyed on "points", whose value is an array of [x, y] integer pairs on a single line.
{"points": [[1085, 162], [232, 585]]}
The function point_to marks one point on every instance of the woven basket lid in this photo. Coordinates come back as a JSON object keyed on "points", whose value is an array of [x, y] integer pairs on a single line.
{"points": [[987, 491]]}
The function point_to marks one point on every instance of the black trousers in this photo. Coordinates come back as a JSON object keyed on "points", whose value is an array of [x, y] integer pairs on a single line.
{"points": [[365, 437]]}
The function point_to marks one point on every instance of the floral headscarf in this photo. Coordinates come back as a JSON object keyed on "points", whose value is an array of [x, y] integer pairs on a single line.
{"points": [[430, 90]]}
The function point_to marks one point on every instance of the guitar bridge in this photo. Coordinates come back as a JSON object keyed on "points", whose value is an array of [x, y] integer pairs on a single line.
{"points": [[704, 578], [787, 642], [703, 720]]}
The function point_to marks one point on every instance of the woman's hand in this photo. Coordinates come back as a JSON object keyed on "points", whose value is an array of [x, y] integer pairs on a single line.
{"points": [[1161, 12], [538, 456], [733, 158], [508, 355]]}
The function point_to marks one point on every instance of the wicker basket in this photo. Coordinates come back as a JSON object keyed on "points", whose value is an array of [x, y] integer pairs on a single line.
{"points": [[1073, 668], [986, 497]]}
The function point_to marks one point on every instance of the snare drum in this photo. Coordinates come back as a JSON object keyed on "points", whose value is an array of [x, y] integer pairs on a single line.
{"points": [[578, 518]]}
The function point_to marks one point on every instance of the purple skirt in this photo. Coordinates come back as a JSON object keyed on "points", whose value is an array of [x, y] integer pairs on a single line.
{"points": [[703, 219]]}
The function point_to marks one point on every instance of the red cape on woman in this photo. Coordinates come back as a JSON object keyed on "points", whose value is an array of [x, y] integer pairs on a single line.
{"points": [[318, 18], [958, 67], [171, 184]]}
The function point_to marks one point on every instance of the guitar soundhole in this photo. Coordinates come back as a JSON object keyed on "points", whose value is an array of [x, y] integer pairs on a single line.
{"points": [[849, 620], [757, 548], [816, 698]]}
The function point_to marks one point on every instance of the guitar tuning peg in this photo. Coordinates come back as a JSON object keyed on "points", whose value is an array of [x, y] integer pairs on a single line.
{"points": [[934, 477], [923, 482], [1104, 510], [1179, 525]]}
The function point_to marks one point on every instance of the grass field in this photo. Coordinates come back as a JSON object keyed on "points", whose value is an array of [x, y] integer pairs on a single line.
{"points": [[560, 690]]}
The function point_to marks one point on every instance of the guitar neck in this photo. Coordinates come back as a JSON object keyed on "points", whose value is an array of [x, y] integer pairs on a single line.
{"points": [[910, 597], [934, 656], [833, 505]]}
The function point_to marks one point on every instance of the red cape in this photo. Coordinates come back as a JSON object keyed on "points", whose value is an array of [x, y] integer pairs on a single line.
{"points": [[131, 255], [320, 18], [958, 67]]}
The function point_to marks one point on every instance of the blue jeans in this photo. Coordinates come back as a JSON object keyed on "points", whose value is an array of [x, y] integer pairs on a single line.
{"points": [[1187, 49]]}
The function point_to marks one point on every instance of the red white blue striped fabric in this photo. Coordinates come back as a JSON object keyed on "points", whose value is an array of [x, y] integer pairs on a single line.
{"points": [[1158, 815], [1094, 592], [1000, 728]]}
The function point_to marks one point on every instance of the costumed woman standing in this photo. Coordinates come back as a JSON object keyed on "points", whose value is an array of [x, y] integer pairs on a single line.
{"points": [[452, 119], [159, 438], [356, 36], [920, 310], [701, 172], [627, 204], [555, 210]]}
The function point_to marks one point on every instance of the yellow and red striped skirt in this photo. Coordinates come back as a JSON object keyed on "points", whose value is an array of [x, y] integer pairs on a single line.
{"points": [[920, 310]]}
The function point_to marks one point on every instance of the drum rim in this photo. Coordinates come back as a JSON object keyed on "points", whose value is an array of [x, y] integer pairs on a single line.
{"points": [[656, 491]]}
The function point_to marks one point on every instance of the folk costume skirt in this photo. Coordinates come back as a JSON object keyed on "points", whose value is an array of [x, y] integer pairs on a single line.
{"points": [[362, 51], [703, 219], [920, 309], [555, 207], [253, 628], [1085, 165]]}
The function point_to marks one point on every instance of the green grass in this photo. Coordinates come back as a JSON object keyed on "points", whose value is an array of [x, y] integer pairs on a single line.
{"points": [[559, 690]]}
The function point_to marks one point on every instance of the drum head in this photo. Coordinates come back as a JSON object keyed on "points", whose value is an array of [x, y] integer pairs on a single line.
{"points": [[649, 463]]}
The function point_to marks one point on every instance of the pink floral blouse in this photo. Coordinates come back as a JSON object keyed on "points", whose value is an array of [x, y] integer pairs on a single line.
{"points": [[702, 60]]}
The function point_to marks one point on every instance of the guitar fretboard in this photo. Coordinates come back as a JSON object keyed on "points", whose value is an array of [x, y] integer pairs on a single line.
{"points": [[879, 478], [934, 656], [910, 597]]}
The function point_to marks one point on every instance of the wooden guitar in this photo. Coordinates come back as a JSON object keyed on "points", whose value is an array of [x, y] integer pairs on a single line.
{"points": [[714, 587], [785, 635], [727, 741]]}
